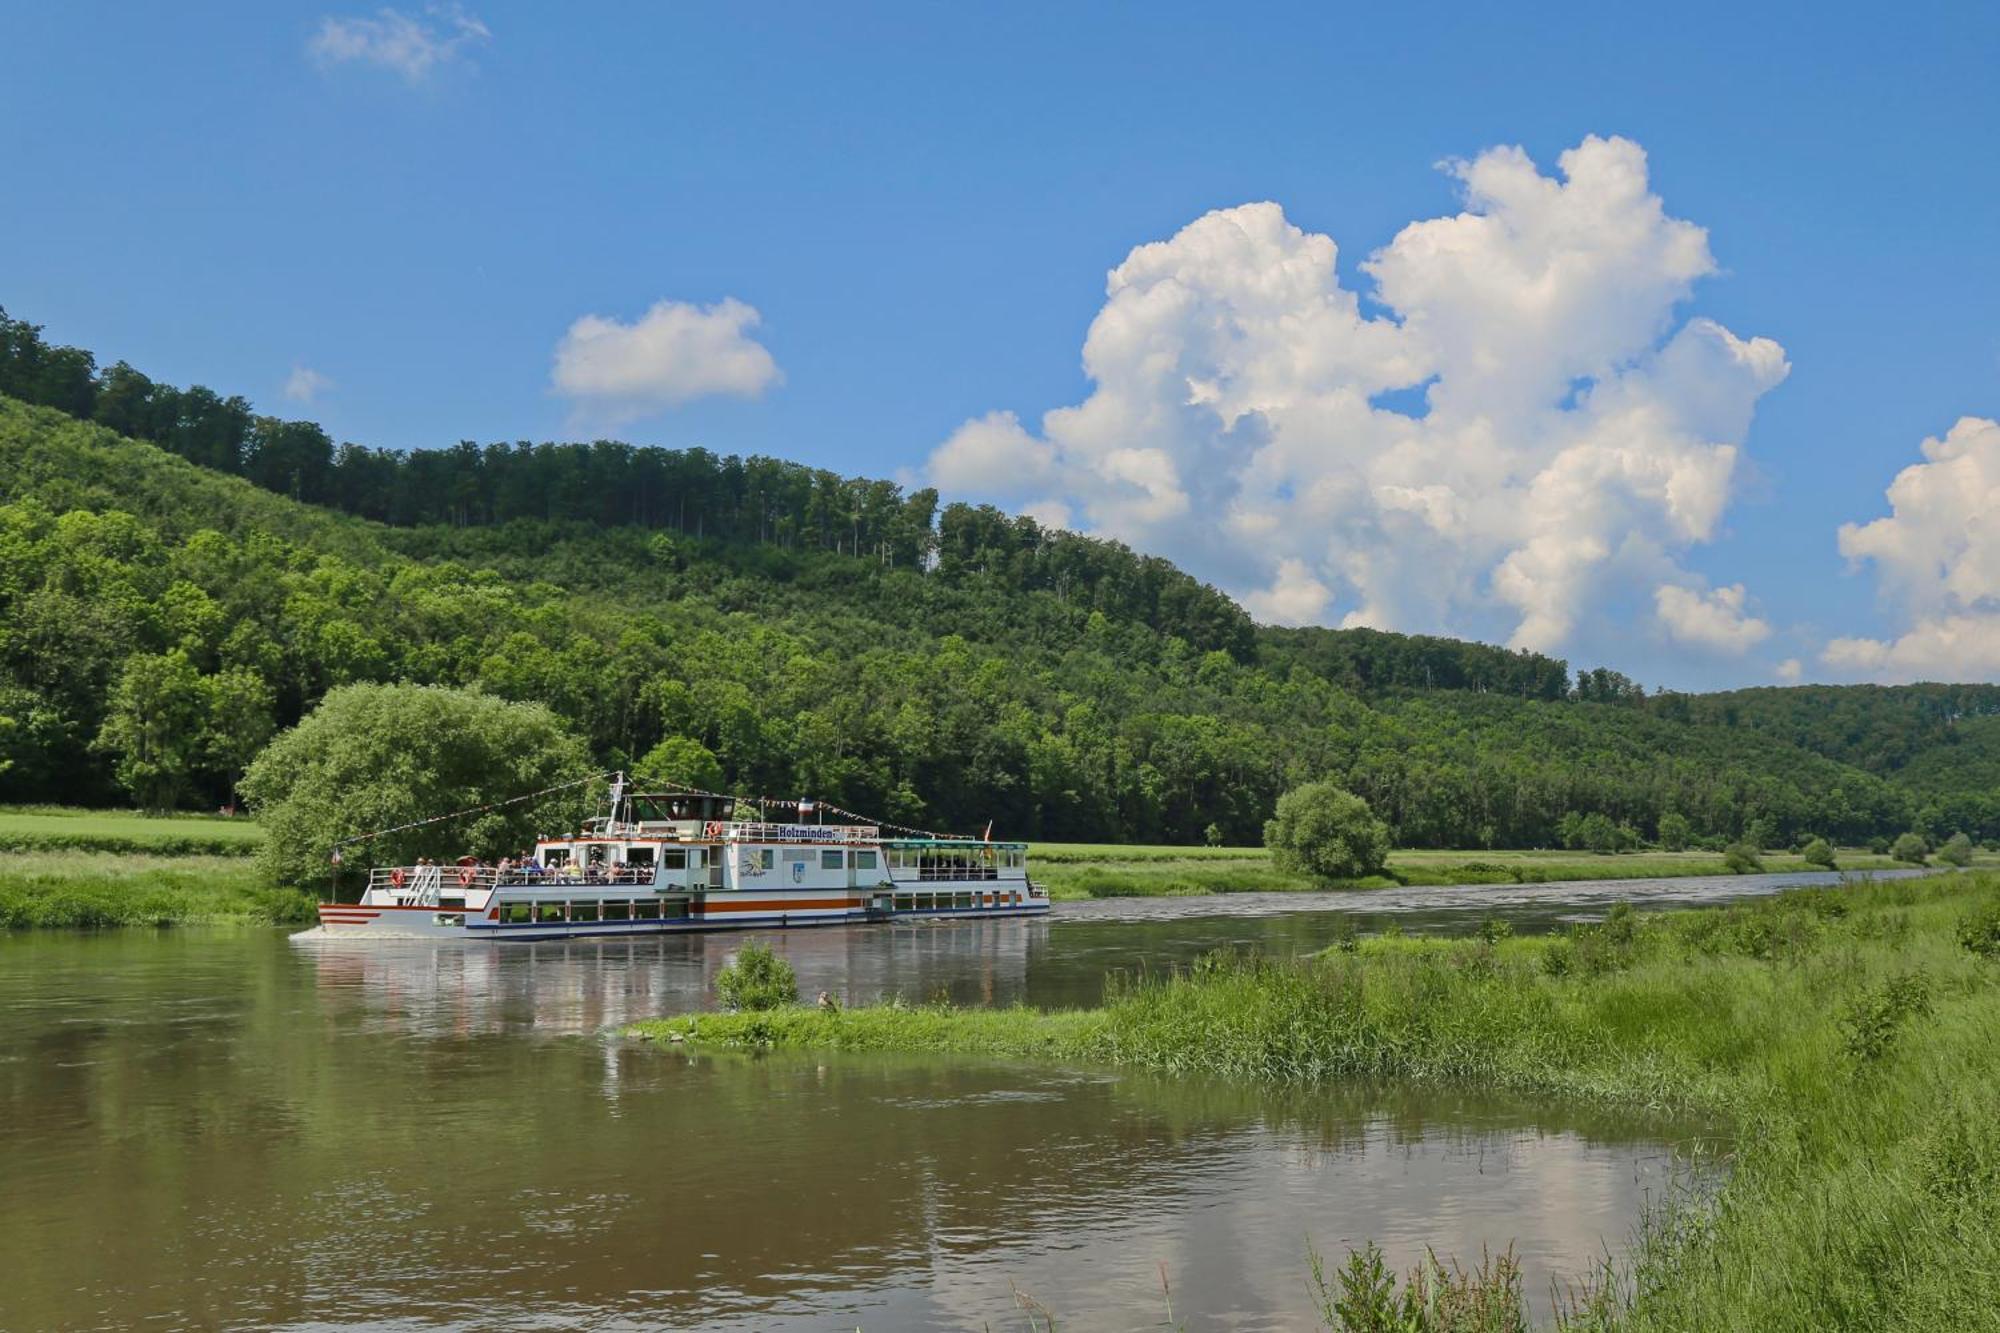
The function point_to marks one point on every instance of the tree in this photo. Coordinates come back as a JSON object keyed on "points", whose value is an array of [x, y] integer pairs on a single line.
{"points": [[1818, 852], [1957, 851], [679, 761], [1327, 833], [1740, 858], [1675, 831], [1909, 847], [239, 723], [157, 725], [373, 757]]}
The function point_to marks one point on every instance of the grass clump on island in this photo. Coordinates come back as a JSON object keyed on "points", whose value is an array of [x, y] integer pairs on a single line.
{"points": [[71, 889], [1845, 1038]]}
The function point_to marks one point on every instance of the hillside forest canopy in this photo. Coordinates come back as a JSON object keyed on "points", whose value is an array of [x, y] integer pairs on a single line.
{"points": [[169, 554]]}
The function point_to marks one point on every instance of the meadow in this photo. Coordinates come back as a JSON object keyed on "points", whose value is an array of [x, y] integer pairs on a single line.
{"points": [[1104, 870], [1842, 1038], [63, 828]]}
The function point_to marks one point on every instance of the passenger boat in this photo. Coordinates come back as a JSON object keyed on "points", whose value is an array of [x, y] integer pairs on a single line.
{"points": [[662, 862]]}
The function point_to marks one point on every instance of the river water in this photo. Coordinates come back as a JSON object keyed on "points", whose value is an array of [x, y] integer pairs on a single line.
{"points": [[217, 1128]]}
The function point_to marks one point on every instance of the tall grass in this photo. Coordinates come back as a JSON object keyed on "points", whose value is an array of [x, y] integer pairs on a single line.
{"points": [[1849, 1038], [70, 889]]}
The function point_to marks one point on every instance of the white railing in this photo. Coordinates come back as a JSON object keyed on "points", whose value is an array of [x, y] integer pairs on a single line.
{"points": [[423, 886], [586, 874]]}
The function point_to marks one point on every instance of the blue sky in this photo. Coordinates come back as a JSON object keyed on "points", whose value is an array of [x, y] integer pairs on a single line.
{"points": [[922, 204]]}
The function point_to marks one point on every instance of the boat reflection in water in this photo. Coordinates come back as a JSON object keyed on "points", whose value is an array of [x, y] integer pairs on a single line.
{"points": [[582, 986]]}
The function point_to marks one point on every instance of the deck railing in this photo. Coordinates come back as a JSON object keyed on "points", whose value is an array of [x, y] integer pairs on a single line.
{"points": [[801, 833], [427, 884]]}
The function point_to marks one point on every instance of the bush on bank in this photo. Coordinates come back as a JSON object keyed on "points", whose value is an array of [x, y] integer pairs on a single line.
{"points": [[1845, 1034]]}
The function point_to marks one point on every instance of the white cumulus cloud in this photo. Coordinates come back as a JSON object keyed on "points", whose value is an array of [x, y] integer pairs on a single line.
{"points": [[1573, 437], [1715, 619], [672, 354], [1937, 561], [305, 384], [401, 43]]}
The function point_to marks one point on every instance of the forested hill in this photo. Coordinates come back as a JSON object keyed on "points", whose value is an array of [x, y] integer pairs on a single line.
{"points": [[158, 619]]}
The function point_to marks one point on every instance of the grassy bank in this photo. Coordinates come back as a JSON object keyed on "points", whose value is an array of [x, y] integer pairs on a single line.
{"points": [[1847, 1035], [87, 889], [59, 828], [1093, 870]]}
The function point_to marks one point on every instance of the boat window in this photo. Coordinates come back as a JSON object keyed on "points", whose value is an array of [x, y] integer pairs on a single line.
{"points": [[556, 856], [617, 911], [864, 860], [648, 910], [583, 911], [516, 913], [549, 912], [767, 858], [965, 900], [639, 856], [674, 858], [829, 860], [675, 910]]}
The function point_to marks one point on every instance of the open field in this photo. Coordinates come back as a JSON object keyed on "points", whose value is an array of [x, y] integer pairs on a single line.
{"points": [[1842, 1038], [1101, 870], [86, 889], [60, 828]]}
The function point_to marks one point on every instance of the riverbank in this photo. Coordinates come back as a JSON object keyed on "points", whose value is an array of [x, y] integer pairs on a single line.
{"points": [[1075, 871], [83, 889], [1846, 1036]]}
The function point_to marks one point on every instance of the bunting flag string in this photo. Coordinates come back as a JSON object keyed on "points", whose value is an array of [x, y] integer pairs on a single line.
{"points": [[800, 805], [460, 814]]}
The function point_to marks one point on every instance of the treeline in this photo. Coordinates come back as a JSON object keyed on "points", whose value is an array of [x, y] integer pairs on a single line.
{"points": [[692, 492], [1371, 661], [152, 614]]}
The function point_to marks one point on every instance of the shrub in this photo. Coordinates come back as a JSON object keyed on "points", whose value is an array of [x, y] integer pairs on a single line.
{"points": [[1675, 831], [1327, 833], [757, 979], [1871, 1021], [1494, 929], [1740, 858], [1909, 847], [1819, 852], [1956, 851], [1558, 958], [1878, 846], [1346, 934], [1980, 932]]}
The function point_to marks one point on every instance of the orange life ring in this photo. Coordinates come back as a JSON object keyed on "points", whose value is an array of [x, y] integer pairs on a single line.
{"points": [[396, 878], [465, 877], [712, 829]]}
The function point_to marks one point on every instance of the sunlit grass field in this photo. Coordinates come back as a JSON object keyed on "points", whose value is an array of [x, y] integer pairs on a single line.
{"points": [[61, 828]]}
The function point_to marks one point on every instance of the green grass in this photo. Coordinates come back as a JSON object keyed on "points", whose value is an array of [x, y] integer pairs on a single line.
{"points": [[89, 889], [1102, 870], [1845, 1038], [59, 828]]}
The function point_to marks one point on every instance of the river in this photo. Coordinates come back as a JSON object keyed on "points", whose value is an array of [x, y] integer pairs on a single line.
{"points": [[216, 1128]]}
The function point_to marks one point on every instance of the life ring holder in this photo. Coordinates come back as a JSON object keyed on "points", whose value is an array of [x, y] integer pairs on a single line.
{"points": [[465, 877], [396, 878], [712, 829]]}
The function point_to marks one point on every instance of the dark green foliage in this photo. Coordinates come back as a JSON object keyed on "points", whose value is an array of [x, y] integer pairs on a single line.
{"points": [[1818, 852], [1327, 834], [1675, 832], [1872, 1020], [757, 979], [376, 757], [1909, 847], [1980, 932], [1740, 858], [1494, 929]]}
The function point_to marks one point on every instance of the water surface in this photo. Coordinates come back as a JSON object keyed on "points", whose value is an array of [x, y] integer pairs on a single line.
{"points": [[225, 1129]]}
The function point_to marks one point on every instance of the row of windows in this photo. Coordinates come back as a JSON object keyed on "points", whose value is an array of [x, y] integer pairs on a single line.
{"points": [[956, 858], [622, 909], [931, 902]]}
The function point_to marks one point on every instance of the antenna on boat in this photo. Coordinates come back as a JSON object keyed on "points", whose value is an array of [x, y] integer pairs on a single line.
{"points": [[618, 798]]}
